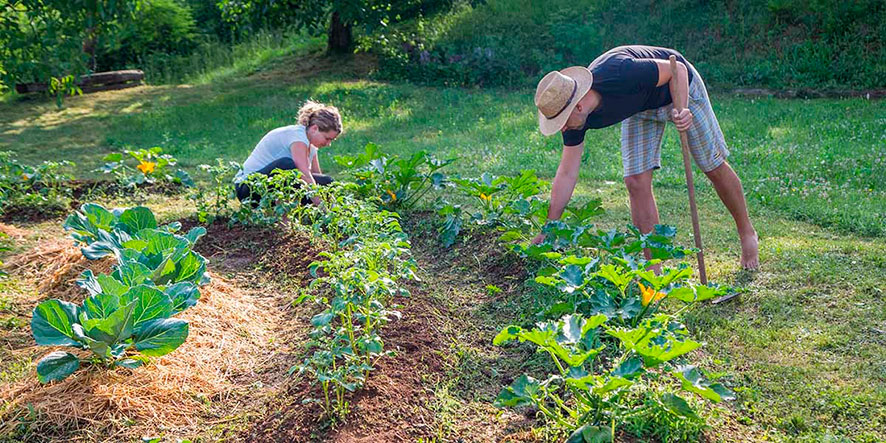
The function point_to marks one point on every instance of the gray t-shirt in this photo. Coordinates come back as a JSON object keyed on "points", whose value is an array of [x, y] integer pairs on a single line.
{"points": [[274, 146]]}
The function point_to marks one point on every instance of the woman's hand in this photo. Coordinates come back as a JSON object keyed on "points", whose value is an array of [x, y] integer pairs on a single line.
{"points": [[538, 239]]}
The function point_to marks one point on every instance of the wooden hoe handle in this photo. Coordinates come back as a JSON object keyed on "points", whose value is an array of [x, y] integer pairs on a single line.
{"points": [[687, 166]]}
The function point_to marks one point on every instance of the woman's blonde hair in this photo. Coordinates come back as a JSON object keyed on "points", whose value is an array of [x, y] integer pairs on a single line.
{"points": [[325, 117]]}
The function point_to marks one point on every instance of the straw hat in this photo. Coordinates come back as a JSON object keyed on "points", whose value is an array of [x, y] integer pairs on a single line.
{"points": [[557, 94]]}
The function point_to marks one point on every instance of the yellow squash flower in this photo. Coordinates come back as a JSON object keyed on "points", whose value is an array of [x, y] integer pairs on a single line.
{"points": [[146, 167], [484, 197], [648, 295], [393, 196]]}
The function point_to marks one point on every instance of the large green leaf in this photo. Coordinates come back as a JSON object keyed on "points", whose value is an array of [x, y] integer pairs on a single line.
{"points": [[161, 336], [114, 329], [630, 368], [135, 219], [590, 434], [87, 222], [100, 348], [614, 275], [150, 303], [56, 366], [657, 340], [51, 323], [191, 267], [183, 295], [677, 405], [195, 233], [101, 305], [524, 390], [693, 381], [105, 244], [574, 278], [507, 334], [131, 273]]}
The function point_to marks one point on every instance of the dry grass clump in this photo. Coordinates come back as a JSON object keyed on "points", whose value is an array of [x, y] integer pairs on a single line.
{"points": [[54, 265], [229, 336]]}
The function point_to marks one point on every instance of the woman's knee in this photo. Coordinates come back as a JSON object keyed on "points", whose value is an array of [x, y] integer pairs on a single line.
{"points": [[323, 180]]}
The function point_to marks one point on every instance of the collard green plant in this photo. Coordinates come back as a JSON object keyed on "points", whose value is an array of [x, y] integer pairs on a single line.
{"points": [[127, 316], [117, 330], [140, 246]]}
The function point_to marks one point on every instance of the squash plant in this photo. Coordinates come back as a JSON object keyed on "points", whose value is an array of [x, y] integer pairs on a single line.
{"points": [[398, 182], [614, 308], [588, 396], [43, 186], [151, 166]]}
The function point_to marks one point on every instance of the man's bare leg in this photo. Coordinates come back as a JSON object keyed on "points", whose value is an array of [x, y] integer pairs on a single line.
{"points": [[729, 188], [644, 212]]}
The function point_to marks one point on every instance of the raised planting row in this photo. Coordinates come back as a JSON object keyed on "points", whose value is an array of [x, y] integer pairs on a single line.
{"points": [[127, 316], [354, 284]]}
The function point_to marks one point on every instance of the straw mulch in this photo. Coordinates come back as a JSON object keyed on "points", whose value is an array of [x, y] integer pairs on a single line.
{"points": [[229, 343]]}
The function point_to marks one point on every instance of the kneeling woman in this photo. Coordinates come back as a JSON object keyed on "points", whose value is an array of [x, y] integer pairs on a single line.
{"points": [[293, 147]]}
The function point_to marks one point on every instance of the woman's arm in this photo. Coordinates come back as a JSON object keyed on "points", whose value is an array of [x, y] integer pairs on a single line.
{"points": [[315, 165], [299, 153]]}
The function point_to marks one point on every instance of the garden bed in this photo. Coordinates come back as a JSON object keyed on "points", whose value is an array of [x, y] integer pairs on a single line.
{"points": [[81, 191]]}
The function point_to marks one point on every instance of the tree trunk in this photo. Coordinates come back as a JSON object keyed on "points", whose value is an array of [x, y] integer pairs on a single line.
{"points": [[340, 38]]}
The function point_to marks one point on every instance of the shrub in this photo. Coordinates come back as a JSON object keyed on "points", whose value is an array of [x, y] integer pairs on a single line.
{"points": [[159, 26]]}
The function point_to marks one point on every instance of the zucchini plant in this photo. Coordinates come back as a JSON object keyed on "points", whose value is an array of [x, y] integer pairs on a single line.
{"points": [[587, 395], [398, 182], [611, 331], [151, 166]]}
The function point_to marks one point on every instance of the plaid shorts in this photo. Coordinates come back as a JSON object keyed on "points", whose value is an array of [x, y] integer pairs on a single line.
{"points": [[641, 134]]}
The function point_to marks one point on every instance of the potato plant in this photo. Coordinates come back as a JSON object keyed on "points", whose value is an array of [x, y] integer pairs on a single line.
{"points": [[216, 200], [127, 316], [355, 285]]}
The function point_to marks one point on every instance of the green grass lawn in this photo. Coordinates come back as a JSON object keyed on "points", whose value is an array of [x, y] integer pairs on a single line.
{"points": [[805, 345]]}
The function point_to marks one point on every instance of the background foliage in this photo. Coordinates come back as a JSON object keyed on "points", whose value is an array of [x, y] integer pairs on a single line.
{"points": [[768, 43]]}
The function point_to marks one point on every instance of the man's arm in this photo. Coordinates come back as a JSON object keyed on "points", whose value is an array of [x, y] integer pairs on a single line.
{"points": [[564, 183], [679, 87]]}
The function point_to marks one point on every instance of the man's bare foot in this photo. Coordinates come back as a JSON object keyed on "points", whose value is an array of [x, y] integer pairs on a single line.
{"points": [[750, 256]]}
